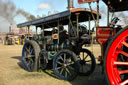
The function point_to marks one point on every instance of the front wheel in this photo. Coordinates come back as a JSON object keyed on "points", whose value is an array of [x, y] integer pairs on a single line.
{"points": [[65, 65], [116, 59], [30, 55]]}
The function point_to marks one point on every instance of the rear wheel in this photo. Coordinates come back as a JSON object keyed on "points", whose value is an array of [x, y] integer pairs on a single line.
{"points": [[116, 59], [30, 54], [65, 65], [87, 62]]}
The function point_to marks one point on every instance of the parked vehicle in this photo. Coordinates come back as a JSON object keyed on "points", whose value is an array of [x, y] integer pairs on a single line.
{"points": [[114, 43], [61, 47]]}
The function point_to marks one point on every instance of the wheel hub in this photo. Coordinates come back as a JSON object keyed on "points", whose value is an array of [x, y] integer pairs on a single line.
{"points": [[28, 56], [82, 62], [65, 65]]}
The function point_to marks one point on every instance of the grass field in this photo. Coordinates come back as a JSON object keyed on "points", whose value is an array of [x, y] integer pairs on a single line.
{"points": [[11, 72]]}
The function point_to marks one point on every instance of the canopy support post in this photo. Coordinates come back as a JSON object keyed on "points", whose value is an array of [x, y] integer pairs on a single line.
{"points": [[28, 31], [42, 33], [42, 30], [89, 25], [36, 30], [71, 26], [107, 16], [58, 32], [77, 19], [92, 13], [112, 16], [98, 13]]}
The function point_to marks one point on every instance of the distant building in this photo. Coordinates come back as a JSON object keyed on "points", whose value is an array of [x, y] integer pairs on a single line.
{"points": [[2, 35]]}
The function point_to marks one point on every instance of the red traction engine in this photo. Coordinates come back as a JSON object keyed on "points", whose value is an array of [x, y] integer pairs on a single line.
{"points": [[114, 44]]}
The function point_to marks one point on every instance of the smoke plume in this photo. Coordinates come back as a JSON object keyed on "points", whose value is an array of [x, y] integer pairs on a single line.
{"points": [[25, 14], [8, 12], [124, 17]]}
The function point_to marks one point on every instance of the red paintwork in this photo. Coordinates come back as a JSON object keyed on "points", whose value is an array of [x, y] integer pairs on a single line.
{"points": [[86, 1], [102, 35], [112, 63]]}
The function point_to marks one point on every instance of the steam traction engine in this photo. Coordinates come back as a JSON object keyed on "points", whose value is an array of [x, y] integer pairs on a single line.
{"points": [[114, 44], [60, 48]]}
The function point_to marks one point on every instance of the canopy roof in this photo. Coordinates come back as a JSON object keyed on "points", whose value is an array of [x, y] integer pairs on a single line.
{"points": [[117, 5], [62, 18]]}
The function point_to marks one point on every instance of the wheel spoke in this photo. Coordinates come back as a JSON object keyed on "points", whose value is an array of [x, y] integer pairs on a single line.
{"points": [[61, 71], [87, 60], [125, 44], [124, 83], [25, 55], [120, 63], [64, 57], [31, 51], [27, 50], [123, 72], [86, 57], [29, 62], [59, 68], [59, 63], [68, 71], [61, 58], [123, 53], [70, 63]]}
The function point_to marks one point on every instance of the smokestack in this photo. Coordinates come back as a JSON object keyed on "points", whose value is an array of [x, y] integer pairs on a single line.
{"points": [[10, 28], [70, 5]]}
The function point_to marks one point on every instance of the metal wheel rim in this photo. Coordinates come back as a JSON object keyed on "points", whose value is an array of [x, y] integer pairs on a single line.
{"points": [[84, 62], [64, 72], [28, 57]]}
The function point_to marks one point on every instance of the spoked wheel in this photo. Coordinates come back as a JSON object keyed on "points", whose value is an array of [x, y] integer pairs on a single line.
{"points": [[65, 65], [116, 59], [30, 54], [87, 62]]}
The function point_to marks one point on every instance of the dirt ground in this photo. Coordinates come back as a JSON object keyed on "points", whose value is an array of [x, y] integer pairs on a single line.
{"points": [[11, 72]]}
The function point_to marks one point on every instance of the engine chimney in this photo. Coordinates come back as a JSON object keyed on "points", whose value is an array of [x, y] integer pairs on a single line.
{"points": [[10, 29], [70, 5]]}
